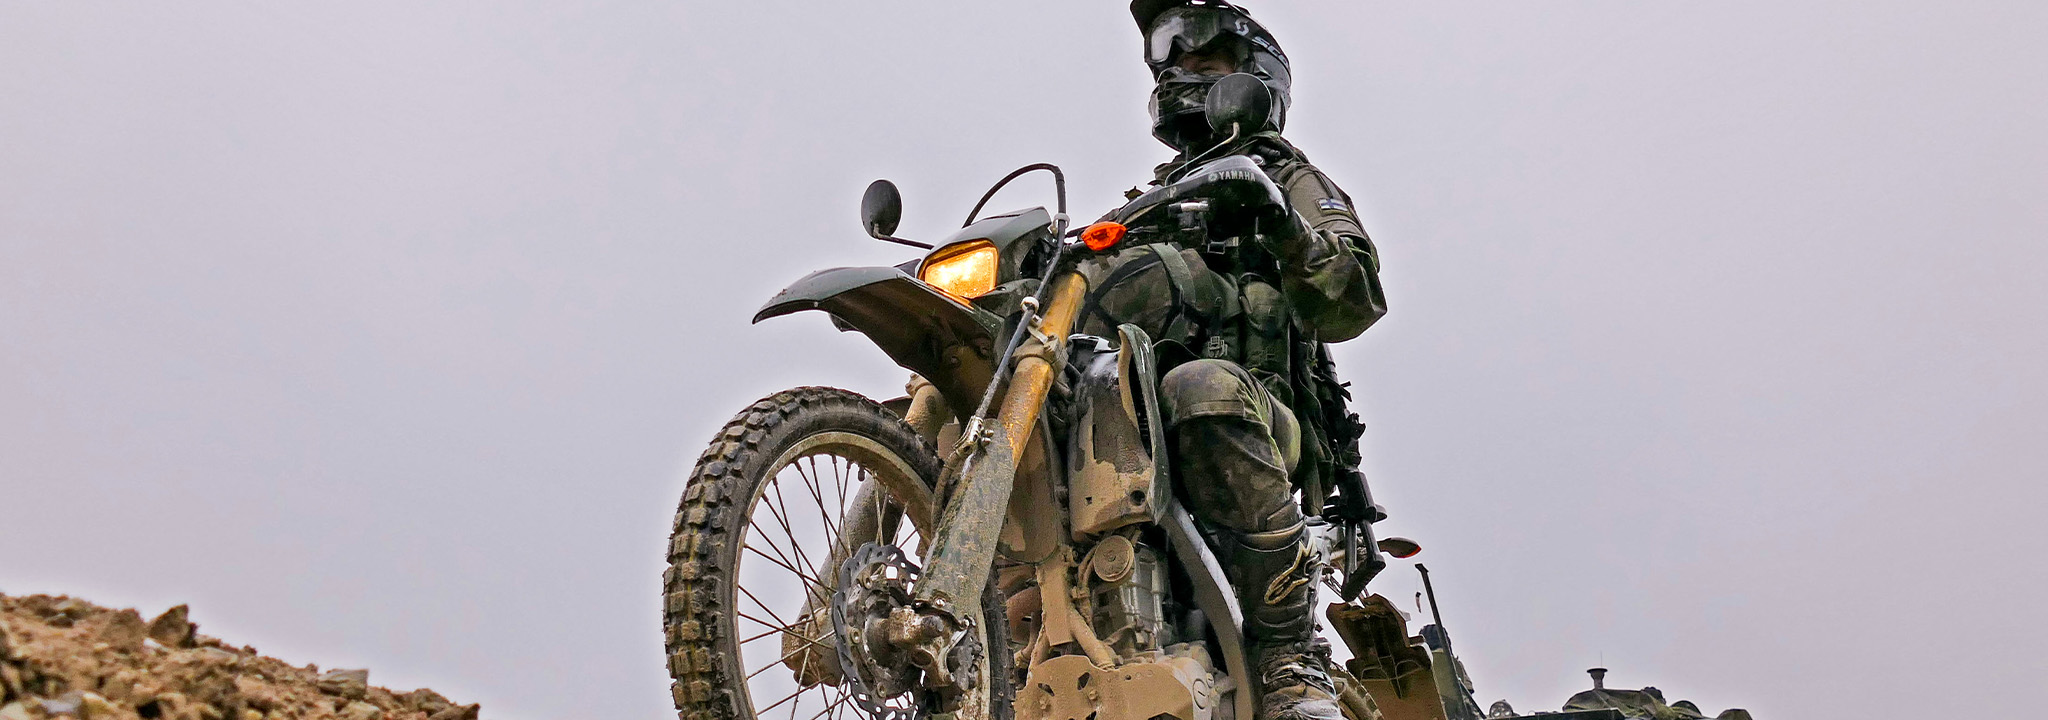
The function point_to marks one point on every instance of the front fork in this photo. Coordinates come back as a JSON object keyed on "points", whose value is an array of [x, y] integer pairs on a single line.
{"points": [[963, 548]]}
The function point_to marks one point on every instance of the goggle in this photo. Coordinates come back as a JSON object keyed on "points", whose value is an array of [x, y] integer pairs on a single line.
{"points": [[1186, 29]]}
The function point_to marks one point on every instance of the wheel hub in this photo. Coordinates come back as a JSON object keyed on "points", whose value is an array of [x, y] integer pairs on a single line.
{"points": [[889, 648]]}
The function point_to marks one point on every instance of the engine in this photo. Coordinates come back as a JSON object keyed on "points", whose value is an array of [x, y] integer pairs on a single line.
{"points": [[1127, 586]]}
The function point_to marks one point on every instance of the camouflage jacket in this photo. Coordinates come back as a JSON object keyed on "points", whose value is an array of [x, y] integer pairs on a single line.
{"points": [[1268, 303], [1251, 300]]}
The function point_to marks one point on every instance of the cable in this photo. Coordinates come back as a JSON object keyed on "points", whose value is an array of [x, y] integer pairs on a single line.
{"points": [[1059, 179]]}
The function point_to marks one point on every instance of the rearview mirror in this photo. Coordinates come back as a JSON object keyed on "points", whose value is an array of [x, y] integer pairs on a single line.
{"points": [[1239, 100], [881, 208]]}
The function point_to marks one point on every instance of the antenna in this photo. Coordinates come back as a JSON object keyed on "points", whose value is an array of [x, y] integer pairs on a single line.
{"points": [[1431, 589]]}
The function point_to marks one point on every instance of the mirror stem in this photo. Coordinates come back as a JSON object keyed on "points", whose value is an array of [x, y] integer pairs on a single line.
{"points": [[901, 241], [1205, 153]]}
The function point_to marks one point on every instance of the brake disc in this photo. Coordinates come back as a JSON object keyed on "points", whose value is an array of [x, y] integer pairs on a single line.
{"points": [[873, 583]]}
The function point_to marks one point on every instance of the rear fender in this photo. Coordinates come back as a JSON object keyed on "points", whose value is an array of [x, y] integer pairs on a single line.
{"points": [[948, 342]]}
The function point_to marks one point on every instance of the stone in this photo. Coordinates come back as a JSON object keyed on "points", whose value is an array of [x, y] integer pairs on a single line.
{"points": [[169, 703], [71, 608], [120, 687], [426, 701], [92, 707], [68, 704], [362, 711], [174, 628], [458, 712], [351, 684], [16, 711], [124, 631]]}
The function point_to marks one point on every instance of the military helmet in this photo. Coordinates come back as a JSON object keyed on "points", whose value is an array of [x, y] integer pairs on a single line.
{"points": [[1175, 27]]}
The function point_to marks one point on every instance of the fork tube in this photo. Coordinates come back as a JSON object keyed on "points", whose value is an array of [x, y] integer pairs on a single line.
{"points": [[965, 544]]}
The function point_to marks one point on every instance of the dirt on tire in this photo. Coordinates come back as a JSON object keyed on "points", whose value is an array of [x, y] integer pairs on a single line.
{"points": [[64, 657]]}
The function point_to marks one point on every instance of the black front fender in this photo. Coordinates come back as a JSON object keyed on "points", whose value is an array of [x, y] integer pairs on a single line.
{"points": [[950, 343]]}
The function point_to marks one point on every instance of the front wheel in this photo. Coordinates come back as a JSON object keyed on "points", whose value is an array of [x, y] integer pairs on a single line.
{"points": [[786, 491]]}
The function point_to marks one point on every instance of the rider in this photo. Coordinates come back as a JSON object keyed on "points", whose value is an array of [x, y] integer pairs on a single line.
{"points": [[1254, 409]]}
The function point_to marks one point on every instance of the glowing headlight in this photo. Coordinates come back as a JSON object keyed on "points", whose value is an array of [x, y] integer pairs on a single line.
{"points": [[965, 271]]}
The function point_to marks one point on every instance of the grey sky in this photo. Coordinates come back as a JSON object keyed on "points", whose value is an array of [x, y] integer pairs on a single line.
{"points": [[381, 331]]}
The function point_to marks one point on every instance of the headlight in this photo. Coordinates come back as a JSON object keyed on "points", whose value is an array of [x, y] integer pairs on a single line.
{"points": [[965, 271]]}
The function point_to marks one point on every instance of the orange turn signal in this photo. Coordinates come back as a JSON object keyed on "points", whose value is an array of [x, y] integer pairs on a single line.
{"points": [[1102, 235]]}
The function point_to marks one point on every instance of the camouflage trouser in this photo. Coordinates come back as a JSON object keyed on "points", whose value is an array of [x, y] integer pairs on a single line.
{"points": [[1235, 447]]}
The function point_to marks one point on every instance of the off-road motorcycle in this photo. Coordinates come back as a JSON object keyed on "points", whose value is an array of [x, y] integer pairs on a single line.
{"points": [[1005, 541]]}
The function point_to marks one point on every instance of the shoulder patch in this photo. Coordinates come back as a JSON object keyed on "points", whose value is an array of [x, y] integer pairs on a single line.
{"points": [[1333, 204]]}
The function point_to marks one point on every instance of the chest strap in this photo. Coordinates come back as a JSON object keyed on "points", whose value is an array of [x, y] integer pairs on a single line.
{"points": [[1180, 281]]}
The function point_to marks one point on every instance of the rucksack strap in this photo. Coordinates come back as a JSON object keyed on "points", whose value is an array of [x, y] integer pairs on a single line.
{"points": [[1182, 279], [1093, 307]]}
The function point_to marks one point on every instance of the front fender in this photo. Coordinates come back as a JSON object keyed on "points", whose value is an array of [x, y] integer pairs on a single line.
{"points": [[950, 343]]}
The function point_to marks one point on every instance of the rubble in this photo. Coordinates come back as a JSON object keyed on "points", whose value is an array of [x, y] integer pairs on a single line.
{"points": [[61, 657]]}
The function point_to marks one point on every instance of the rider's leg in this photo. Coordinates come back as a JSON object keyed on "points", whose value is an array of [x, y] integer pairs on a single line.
{"points": [[1234, 448]]}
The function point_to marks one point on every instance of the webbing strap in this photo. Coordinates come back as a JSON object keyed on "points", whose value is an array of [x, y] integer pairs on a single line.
{"points": [[1093, 307], [1180, 281], [1179, 276]]}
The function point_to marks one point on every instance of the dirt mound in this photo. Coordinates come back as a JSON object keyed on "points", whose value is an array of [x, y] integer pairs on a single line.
{"points": [[62, 657]]}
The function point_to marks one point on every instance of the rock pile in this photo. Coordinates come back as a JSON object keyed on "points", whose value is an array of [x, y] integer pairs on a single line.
{"points": [[66, 658]]}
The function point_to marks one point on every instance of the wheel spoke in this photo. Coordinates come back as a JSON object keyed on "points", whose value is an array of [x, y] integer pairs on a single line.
{"points": [[832, 708], [783, 517], [777, 510], [795, 557], [782, 562], [818, 497], [817, 641], [805, 469], [778, 703], [778, 661], [840, 472], [785, 630], [881, 511], [764, 606]]}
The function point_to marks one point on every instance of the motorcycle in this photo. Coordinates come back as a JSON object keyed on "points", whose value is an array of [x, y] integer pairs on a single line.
{"points": [[828, 559]]}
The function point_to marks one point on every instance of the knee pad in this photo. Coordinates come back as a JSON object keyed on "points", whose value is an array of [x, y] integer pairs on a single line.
{"points": [[1209, 388]]}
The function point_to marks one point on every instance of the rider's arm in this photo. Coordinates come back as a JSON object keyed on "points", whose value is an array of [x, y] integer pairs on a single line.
{"points": [[1330, 270]]}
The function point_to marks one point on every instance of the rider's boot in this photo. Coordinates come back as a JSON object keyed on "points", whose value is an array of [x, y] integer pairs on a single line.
{"points": [[1275, 578]]}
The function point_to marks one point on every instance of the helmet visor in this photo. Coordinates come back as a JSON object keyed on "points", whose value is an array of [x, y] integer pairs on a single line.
{"points": [[1190, 28]]}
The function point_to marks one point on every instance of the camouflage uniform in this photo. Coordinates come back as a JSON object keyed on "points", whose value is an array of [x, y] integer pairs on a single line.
{"points": [[1250, 316], [1253, 405], [1253, 316]]}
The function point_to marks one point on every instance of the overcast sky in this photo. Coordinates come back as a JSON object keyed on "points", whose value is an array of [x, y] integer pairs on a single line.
{"points": [[381, 332]]}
